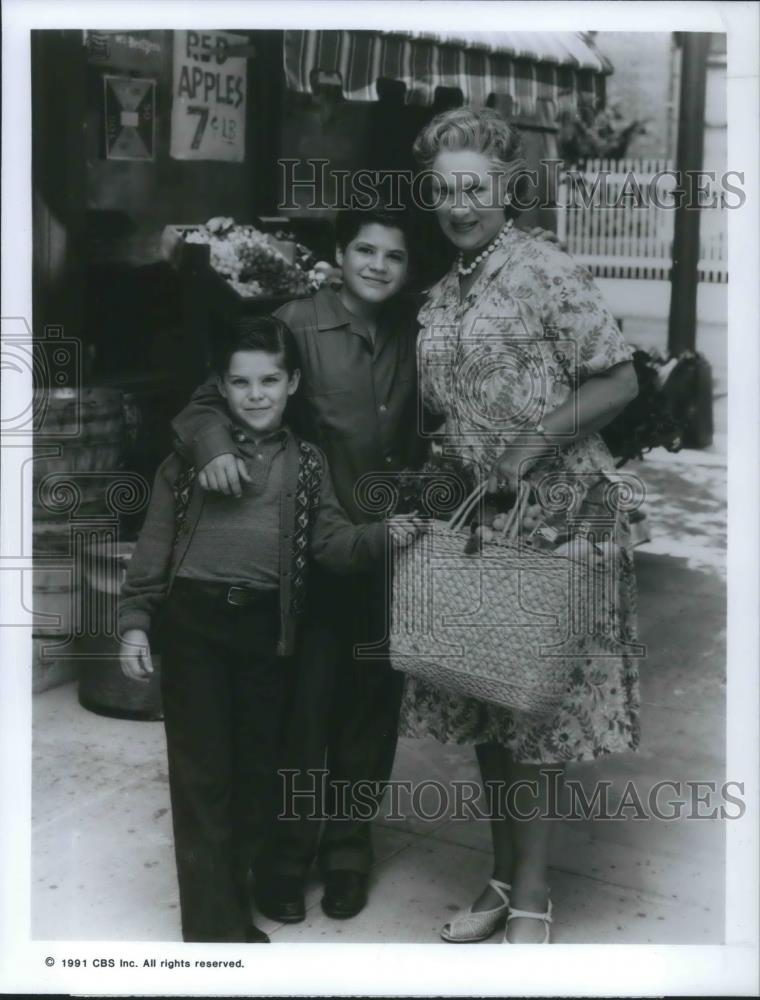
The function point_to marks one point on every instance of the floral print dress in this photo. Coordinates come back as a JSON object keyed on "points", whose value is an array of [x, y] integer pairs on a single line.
{"points": [[531, 328]]}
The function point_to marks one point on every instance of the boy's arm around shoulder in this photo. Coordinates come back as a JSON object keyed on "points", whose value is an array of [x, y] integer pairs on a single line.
{"points": [[147, 578], [202, 429], [337, 543]]}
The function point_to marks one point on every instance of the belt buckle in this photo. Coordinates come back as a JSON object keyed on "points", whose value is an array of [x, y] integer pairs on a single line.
{"points": [[231, 596]]}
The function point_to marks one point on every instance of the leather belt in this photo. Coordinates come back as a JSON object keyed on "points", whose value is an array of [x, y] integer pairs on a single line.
{"points": [[245, 596], [237, 596]]}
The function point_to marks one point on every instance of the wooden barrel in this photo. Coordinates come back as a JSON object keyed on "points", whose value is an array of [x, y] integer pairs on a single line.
{"points": [[84, 415], [79, 431], [103, 688], [96, 456]]}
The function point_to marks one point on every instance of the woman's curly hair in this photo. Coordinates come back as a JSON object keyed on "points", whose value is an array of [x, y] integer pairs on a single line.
{"points": [[481, 131]]}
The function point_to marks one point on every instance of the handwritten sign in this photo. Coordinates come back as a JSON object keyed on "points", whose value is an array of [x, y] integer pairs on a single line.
{"points": [[208, 97]]}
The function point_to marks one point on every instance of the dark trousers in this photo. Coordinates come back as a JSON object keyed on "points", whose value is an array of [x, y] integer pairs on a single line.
{"points": [[342, 732], [223, 691]]}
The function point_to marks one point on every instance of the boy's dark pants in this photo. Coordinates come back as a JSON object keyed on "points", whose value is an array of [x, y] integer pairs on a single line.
{"points": [[223, 690], [343, 719]]}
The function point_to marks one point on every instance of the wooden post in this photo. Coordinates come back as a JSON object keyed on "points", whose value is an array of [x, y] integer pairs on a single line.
{"points": [[266, 79], [58, 182], [691, 130]]}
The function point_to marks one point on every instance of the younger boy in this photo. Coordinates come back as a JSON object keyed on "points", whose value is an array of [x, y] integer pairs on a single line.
{"points": [[228, 576], [358, 402]]}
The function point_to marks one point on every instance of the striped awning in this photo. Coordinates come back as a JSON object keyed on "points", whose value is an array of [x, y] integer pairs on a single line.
{"points": [[528, 66]]}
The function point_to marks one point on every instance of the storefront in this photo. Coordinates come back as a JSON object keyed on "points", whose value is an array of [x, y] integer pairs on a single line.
{"points": [[137, 130], [140, 133], [359, 98]]}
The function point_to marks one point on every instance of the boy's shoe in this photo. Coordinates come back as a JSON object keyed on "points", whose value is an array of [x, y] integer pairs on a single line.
{"points": [[345, 894], [280, 897], [255, 936]]}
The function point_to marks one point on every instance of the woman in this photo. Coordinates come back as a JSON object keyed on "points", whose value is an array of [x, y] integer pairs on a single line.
{"points": [[525, 363]]}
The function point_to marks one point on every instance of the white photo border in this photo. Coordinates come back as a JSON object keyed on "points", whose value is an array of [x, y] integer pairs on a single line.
{"points": [[386, 969]]}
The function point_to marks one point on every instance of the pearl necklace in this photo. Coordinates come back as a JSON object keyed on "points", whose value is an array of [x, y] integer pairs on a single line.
{"points": [[463, 271]]}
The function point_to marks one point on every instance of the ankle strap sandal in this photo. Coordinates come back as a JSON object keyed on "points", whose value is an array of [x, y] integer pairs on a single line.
{"points": [[530, 915], [467, 926]]}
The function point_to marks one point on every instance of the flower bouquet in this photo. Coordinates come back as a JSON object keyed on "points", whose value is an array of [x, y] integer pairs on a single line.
{"points": [[258, 264]]}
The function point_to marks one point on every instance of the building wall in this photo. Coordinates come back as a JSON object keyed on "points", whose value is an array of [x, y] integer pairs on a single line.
{"points": [[641, 86], [162, 190], [58, 181], [716, 111], [645, 85]]}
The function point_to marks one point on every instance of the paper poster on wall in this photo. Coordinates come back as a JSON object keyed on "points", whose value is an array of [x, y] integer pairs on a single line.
{"points": [[208, 97], [130, 117], [141, 51]]}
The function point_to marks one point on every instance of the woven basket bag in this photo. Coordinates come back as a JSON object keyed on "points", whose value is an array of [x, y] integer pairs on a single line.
{"points": [[505, 625]]}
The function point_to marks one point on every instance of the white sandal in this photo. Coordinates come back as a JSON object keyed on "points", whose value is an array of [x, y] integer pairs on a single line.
{"points": [[467, 927], [528, 914]]}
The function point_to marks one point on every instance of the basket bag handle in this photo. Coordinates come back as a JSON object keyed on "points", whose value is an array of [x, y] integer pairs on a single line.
{"points": [[510, 529]]}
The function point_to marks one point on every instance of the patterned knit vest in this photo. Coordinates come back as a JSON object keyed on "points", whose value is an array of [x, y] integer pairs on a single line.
{"points": [[307, 492]]}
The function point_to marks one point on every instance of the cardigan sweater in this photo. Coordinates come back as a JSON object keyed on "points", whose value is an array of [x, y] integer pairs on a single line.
{"points": [[312, 524]]}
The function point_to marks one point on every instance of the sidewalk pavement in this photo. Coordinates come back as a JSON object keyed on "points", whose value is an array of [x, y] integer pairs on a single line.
{"points": [[102, 854]]}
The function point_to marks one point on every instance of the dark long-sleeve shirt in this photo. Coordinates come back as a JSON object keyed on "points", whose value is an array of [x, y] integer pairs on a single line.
{"points": [[357, 399]]}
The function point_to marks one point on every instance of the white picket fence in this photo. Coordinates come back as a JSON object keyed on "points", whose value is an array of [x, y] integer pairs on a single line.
{"points": [[609, 221]]}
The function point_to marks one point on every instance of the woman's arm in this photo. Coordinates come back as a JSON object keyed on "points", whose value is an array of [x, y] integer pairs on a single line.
{"points": [[590, 407], [593, 405], [597, 361]]}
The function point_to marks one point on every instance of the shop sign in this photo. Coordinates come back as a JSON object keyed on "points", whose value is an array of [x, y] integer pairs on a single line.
{"points": [[126, 50], [130, 118], [208, 97]]}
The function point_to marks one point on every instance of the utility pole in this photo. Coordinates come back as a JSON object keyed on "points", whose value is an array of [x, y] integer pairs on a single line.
{"points": [[684, 275]]}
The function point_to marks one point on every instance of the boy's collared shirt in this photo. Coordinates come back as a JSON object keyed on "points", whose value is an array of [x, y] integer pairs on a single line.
{"points": [[236, 538], [357, 400]]}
